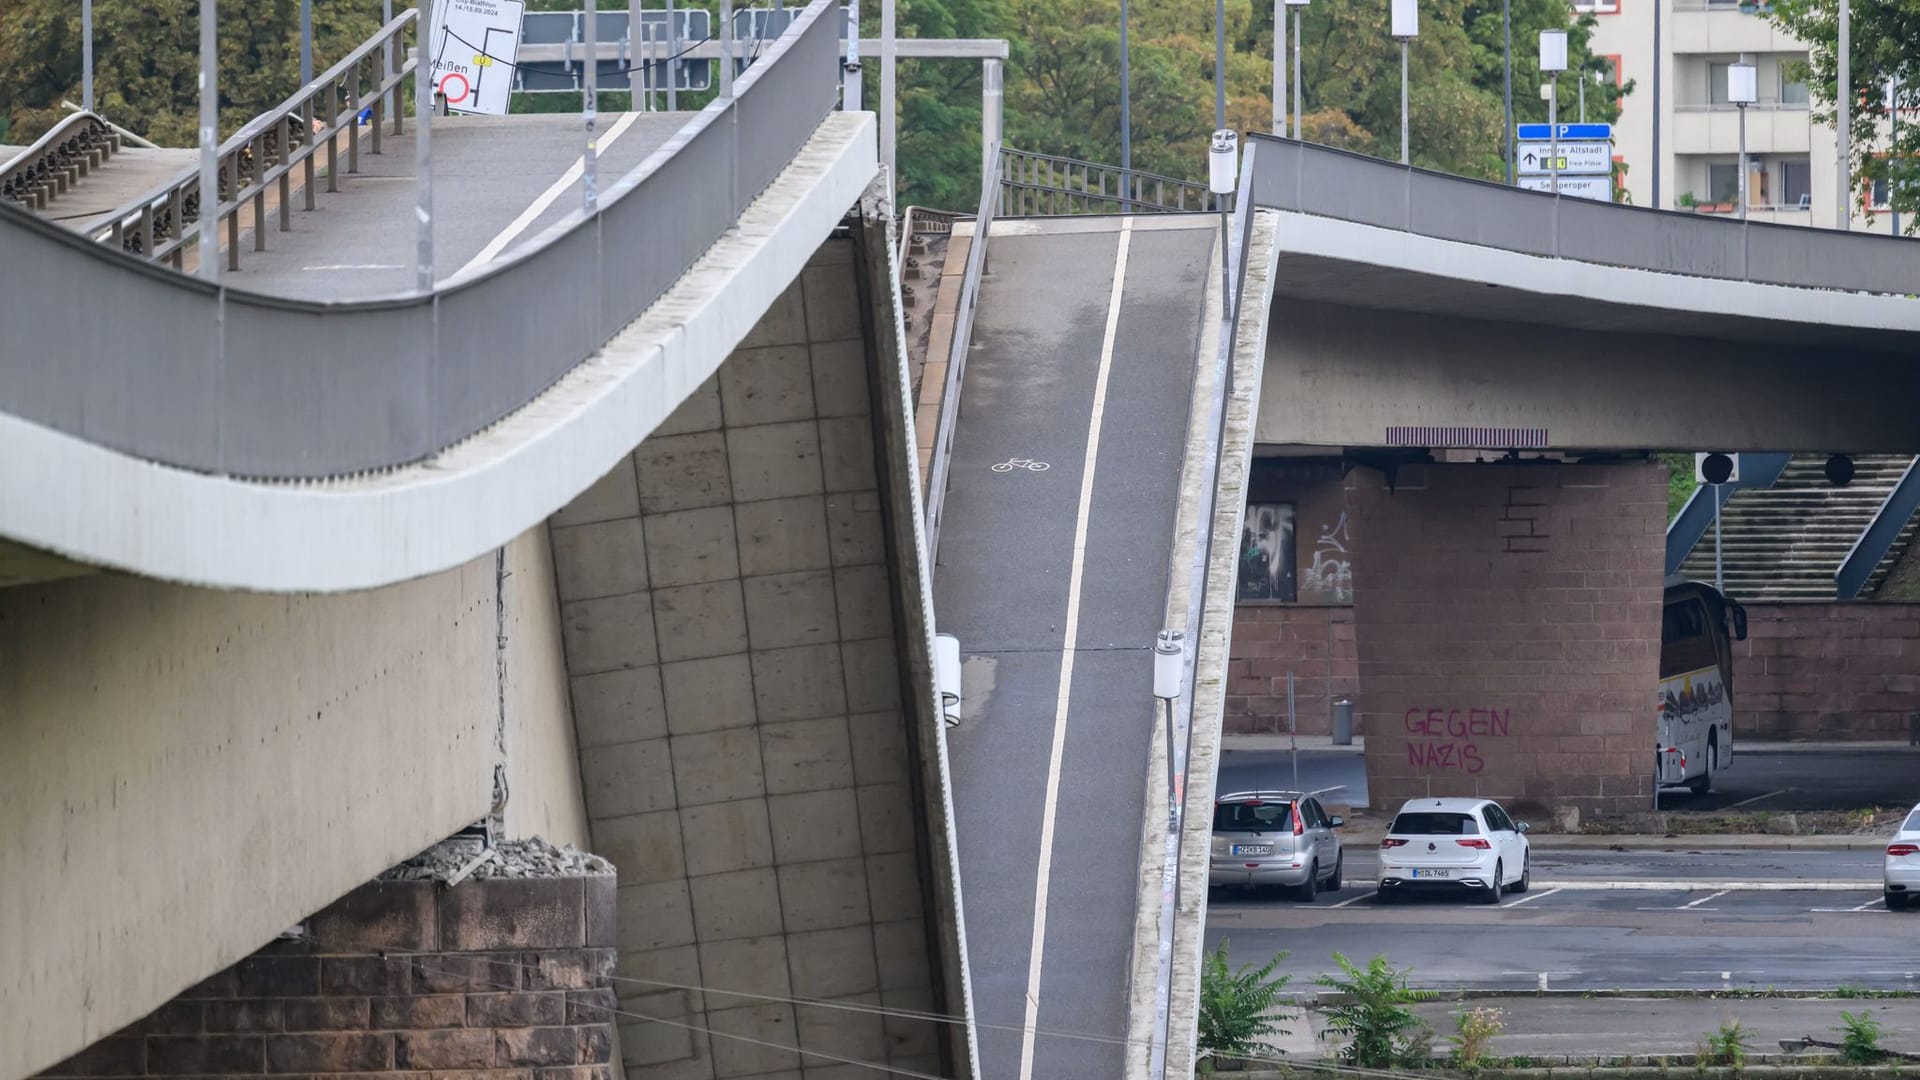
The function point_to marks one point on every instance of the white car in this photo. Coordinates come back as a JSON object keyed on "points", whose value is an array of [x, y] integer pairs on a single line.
{"points": [[1454, 844], [1903, 864]]}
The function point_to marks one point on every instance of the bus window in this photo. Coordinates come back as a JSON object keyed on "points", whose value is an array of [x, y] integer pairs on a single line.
{"points": [[1687, 640]]}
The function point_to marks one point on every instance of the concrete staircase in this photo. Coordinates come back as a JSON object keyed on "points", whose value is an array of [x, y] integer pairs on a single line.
{"points": [[1786, 542]]}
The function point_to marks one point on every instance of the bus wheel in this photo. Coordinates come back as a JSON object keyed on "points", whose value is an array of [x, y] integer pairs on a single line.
{"points": [[1703, 783]]}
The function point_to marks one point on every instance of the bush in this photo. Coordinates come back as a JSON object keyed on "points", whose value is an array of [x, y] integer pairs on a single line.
{"points": [[1729, 1046], [1237, 1008], [1375, 1019], [1860, 1038], [1474, 1032]]}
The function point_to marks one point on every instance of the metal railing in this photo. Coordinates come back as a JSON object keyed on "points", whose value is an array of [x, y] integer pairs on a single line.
{"points": [[1696, 517], [1850, 580], [1325, 182], [266, 151], [1035, 185], [964, 307], [217, 379], [57, 160]]}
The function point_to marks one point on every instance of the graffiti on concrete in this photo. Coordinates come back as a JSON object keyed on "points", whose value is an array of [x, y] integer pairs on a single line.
{"points": [[1450, 738], [1330, 578]]}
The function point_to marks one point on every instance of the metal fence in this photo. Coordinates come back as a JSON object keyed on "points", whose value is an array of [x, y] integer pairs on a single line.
{"points": [[1320, 180], [266, 151], [211, 378], [1034, 185]]}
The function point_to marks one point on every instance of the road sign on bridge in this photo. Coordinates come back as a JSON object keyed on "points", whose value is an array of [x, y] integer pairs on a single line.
{"points": [[474, 49], [1576, 158]]}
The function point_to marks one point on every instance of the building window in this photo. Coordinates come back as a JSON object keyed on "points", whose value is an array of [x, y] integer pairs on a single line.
{"points": [[1717, 84], [1723, 183], [1597, 7], [1791, 93], [1880, 193], [1611, 72], [1796, 184], [1268, 553]]}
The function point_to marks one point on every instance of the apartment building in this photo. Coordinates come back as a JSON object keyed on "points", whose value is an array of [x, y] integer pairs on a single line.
{"points": [[1791, 159]]}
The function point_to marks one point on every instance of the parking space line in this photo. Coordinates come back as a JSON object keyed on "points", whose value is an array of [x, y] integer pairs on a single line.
{"points": [[1704, 899], [1870, 903], [1711, 886], [1756, 798], [1528, 899], [1356, 899]]}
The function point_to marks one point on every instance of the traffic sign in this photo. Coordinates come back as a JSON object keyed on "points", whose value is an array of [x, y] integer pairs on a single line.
{"points": [[1576, 158], [474, 49], [1568, 132], [1575, 187]]}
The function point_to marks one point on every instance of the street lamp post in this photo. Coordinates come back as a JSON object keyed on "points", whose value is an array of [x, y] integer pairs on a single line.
{"points": [[1298, 6], [1743, 90], [86, 55], [1506, 30], [1280, 68], [1219, 63], [1406, 27], [1553, 59], [1843, 121], [1126, 103], [209, 145]]}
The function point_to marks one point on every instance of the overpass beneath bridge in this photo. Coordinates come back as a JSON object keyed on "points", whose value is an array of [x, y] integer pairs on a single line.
{"points": [[1464, 386]]}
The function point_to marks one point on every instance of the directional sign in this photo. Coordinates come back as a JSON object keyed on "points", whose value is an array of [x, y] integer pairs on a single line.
{"points": [[1576, 187], [474, 49], [1543, 132], [1576, 158], [647, 51]]}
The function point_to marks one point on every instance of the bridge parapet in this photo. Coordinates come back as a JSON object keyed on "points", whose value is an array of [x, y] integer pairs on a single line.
{"points": [[1320, 180]]}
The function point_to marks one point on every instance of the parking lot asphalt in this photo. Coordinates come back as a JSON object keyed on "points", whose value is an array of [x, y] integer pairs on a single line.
{"points": [[1603, 920]]}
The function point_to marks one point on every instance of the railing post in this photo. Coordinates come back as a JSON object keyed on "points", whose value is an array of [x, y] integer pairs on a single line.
{"points": [[333, 138], [260, 192], [353, 119], [231, 171]]}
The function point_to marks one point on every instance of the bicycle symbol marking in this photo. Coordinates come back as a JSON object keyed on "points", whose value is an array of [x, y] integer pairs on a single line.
{"points": [[1021, 463]]}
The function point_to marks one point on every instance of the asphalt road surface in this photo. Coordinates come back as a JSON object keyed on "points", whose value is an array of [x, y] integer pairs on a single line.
{"points": [[1050, 761], [1840, 778], [1604, 920]]}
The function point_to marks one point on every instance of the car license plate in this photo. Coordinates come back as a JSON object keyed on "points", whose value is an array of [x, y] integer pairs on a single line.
{"points": [[1433, 873], [1253, 849]]}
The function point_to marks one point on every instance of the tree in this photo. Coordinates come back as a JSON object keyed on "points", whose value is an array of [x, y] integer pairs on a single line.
{"points": [[147, 60], [1884, 39]]}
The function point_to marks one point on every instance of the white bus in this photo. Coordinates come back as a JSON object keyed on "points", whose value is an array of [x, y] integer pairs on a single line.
{"points": [[1698, 627]]}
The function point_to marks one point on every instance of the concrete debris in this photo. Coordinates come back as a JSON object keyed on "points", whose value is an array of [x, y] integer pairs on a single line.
{"points": [[461, 857]]}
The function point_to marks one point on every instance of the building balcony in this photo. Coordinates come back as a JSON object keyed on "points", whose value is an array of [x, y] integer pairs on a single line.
{"points": [[1715, 129], [1708, 26]]}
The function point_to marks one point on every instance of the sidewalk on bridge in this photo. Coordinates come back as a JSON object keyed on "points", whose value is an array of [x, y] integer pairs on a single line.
{"points": [[1572, 1024], [1325, 743]]}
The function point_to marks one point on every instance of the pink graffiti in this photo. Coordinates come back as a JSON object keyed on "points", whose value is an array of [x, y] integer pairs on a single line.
{"points": [[1445, 734]]}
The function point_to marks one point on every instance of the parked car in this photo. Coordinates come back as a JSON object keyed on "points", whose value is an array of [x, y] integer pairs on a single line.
{"points": [[1903, 864], [1454, 844], [1282, 838]]}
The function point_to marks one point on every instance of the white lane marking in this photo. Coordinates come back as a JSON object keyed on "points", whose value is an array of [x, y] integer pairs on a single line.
{"points": [[546, 198], [1067, 646], [1870, 903], [1755, 799], [1711, 886], [1531, 897], [1355, 900], [1704, 899]]}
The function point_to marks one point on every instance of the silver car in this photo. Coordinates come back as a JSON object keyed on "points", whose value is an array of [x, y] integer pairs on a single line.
{"points": [[1282, 838], [1903, 864]]}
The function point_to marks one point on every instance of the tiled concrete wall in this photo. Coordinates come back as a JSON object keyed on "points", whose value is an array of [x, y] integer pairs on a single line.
{"points": [[1827, 671], [730, 638], [1508, 625]]}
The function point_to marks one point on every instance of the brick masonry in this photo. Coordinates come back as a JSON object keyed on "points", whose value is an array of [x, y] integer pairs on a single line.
{"points": [[730, 635], [496, 979], [1507, 625], [1827, 671]]}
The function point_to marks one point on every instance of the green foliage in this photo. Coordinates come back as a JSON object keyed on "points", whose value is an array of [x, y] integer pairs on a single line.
{"points": [[1680, 482], [1374, 1016], [1238, 1008], [147, 57], [1859, 1038], [1885, 42], [1729, 1046], [1472, 1039]]}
